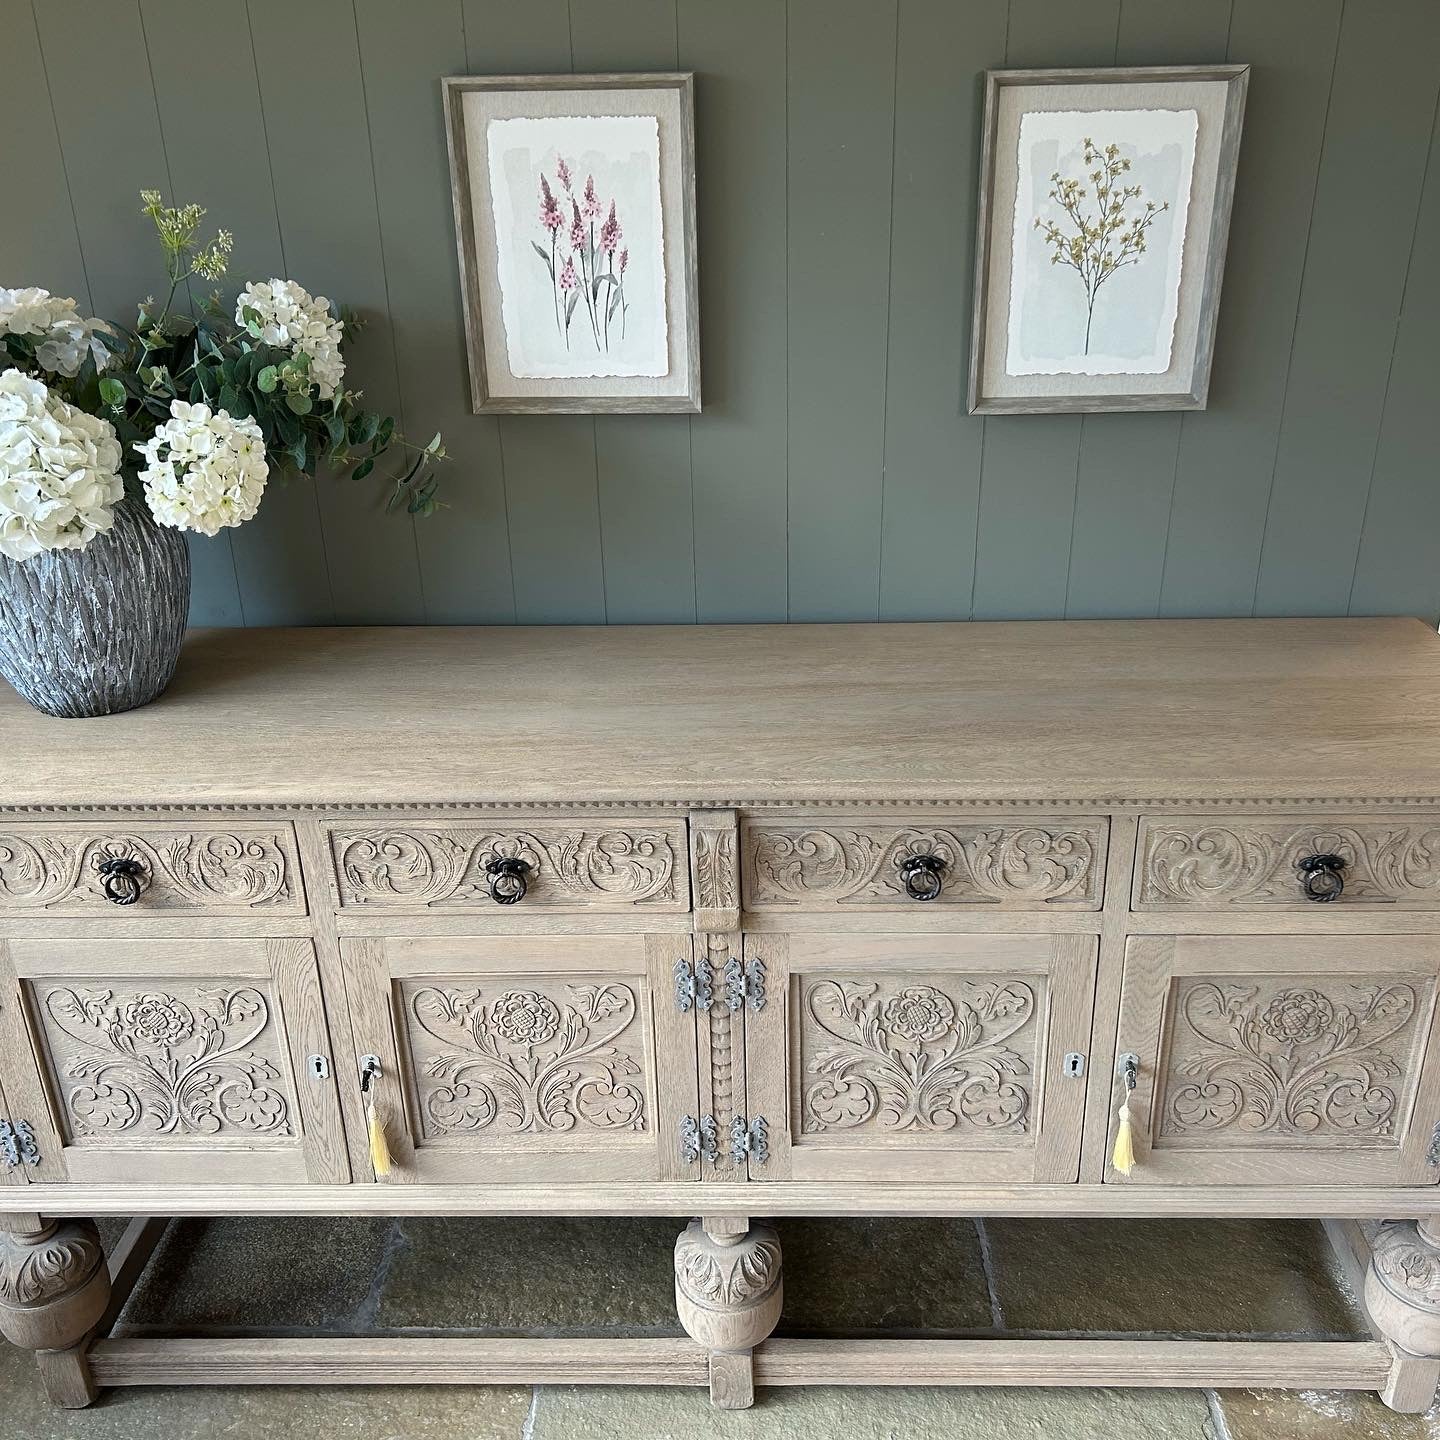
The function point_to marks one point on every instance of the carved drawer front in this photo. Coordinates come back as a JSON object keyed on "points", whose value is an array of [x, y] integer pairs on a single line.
{"points": [[154, 1061], [528, 1058], [823, 864], [1201, 862], [898, 1057], [471, 867], [1278, 1060], [149, 868]]}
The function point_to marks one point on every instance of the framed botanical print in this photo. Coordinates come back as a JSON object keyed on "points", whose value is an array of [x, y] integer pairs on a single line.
{"points": [[1104, 213], [575, 222]]}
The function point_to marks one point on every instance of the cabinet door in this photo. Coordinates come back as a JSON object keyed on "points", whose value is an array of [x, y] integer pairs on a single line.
{"points": [[157, 1061], [909, 1057], [1271, 1060], [559, 1058]]}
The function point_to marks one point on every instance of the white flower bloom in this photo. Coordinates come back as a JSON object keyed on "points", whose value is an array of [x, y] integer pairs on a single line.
{"points": [[294, 320], [59, 470], [69, 343], [205, 469], [32, 311], [68, 338]]}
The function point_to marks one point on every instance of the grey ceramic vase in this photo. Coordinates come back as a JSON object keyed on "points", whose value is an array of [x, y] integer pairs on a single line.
{"points": [[96, 631]]}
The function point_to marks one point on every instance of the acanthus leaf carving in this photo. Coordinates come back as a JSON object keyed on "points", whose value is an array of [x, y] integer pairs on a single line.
{"points": [[984, 864], [155, 1061], [44, 869], [1287, 1061], [425, 866], [523, 1061], [908, 1056], [727, 1275], [1254, 864], [38, 1269], [716, 878]]}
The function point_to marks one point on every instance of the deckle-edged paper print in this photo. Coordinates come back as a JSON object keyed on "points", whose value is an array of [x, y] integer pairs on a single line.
{"points": [[580, 245], [1101, 204]]}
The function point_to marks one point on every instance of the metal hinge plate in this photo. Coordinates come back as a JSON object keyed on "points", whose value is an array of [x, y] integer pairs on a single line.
{"points": [[699, 1140], [692, 986], [17, 1144], [749, 1141], [744, 984]]}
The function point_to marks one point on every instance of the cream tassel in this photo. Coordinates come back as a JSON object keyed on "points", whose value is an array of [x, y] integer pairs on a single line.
{"points": [[1123, 1156], [379, 1146]]}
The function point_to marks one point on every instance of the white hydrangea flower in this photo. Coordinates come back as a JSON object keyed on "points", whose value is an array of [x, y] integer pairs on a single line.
{"points": [[33, 311], [68, 338], [205, 469], [293, 319], [59, 471]]}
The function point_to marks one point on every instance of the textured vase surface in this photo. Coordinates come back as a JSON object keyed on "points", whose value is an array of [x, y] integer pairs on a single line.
{"points": [[98, 630]]}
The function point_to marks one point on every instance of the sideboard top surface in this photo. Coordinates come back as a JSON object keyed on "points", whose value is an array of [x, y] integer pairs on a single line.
{"points": [[1064, 710]]}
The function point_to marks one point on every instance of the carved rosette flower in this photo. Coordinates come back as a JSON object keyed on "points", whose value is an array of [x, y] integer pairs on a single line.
{"points": [[1294, 1015], [918, 1013], [525, 1017], [158, 1018]]}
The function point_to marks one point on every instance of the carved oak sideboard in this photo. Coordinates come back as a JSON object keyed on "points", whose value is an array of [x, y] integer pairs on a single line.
{"points": [[729, 923]]}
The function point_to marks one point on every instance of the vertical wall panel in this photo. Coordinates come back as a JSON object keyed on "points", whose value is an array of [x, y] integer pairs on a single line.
{"points": [[1127, 462], [841, 66], [932, 447], [1398, 569], [548, 461], [199, 51], [1227, 452], [642, 461], [833, 472], [464, 551], [331, 232], [738, 442], [1028, 482], [45, 249], [1376, 142]]}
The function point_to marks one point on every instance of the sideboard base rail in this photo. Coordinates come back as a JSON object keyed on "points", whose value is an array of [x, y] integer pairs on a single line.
{"points": [[61, 1298]]}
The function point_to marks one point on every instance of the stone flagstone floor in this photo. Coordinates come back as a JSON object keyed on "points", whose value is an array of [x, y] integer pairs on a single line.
{"points": [[1211, 1279]]}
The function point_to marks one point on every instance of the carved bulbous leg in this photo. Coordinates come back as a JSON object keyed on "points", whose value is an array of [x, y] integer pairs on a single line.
{"points": [[54, 1287], [1402, 1294], [728, 1292]]}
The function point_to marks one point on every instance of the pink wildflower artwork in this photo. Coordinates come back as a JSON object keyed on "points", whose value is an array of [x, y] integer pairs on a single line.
{"points": [[595, 265], [591, 207]]}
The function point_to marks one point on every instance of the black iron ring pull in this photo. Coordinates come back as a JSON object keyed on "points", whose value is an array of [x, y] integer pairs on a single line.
{"points": [[508, 880], [124, 879], [1322, 876], [923, 876]]}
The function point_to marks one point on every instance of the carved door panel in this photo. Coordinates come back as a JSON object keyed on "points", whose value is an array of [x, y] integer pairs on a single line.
{"points": [[152, 1061], [555, 1058], [1280, 1060], [919, 1058]]}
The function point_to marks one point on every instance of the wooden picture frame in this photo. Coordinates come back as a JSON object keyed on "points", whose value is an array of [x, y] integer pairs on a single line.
{"points": [[533, 346], [1180, 126]]}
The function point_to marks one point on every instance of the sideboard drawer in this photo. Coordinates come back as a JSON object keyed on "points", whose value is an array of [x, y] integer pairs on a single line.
{"points": [[839, 864], [140, 1061], [149, 868], [475, 867], [1276, 1060], [1265, 862]]}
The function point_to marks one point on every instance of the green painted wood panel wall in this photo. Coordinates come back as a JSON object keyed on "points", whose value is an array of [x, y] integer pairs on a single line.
{"points": [[833, 473]]}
